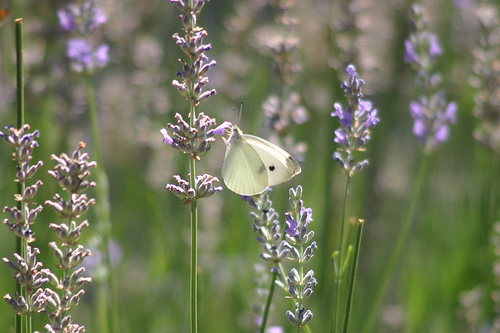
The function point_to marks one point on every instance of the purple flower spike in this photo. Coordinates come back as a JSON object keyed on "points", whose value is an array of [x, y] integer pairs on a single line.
{"points": [[431, 113]]}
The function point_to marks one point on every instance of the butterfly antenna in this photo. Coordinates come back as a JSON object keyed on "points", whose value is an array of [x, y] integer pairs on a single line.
{"points": [[241, 110]]}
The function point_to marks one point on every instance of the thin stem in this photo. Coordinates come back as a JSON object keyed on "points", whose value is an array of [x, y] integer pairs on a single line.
{"points": [[340, 267], [194, 233], [400, 241], [269, 299], [352, 280], [22, 322], [108, 305]]}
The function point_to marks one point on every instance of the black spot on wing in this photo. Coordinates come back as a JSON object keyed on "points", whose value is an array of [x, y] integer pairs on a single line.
{"points": [[271, 168]]}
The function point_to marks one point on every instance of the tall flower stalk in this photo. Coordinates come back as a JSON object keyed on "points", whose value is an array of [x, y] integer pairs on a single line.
{"points": [[82, 19], [70, 174], [432, 116], [283, 109], [29, 298], [193, 138], [293, 243], [25, 266], [356, 121]]}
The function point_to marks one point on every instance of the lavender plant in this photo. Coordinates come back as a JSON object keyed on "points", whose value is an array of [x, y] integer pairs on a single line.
{"points": [[431, 113], [193, 138], [283, 110], [432, 116], [29, 297], [487, 78], [356, 121], [83, 19], [70, 173], [294, 244]]}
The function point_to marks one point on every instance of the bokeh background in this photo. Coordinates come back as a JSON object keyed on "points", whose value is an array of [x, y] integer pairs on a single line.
{"points": [[445, 278]]}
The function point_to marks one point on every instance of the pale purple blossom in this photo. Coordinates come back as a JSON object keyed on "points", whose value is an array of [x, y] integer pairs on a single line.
{"points": [[355, 120], [85, 56], [166, 137], [431, 113], [220, 130]]}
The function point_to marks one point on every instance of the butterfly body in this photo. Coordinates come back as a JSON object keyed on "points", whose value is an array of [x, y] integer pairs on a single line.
{"points": [[252, 164]]}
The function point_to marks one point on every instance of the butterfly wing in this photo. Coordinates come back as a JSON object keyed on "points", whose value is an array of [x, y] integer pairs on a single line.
{"points": [[279, 164], [243, 170]]}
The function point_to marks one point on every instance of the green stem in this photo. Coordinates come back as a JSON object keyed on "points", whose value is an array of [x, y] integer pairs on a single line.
{"points": [[269, 299], [194, 233], [108, 307], [22, 322], [340, 267], [352, 279], [400, 241]]}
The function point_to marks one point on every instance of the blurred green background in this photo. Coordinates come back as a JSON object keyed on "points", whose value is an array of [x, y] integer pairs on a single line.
{"points": [[448, 251]]}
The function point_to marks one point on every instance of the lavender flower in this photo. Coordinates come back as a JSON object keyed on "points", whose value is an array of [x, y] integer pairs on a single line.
{"points": [[432, 115], [290, 244], [194, 73], [27, 270], [487, 78], [356, 120], [85, 56], [70, 174], [83, 21], [193, 140]]}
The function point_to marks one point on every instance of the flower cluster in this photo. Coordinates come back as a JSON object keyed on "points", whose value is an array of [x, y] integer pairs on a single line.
{"points": [[25, 266], [356, 120], [300, 286], [27, 272], [70, 173], [283, 110], [22, 216], [84, 20], [193, 140], [194, 73], [203, 188], [289, 244], [487, 78], [432, 114]]}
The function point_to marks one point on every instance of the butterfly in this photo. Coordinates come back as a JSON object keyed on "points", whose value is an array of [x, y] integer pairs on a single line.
{"points": [[252, 164]]}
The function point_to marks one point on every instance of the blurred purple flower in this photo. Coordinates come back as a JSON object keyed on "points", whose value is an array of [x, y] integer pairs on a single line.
{"points": [[80, 50], [341, 138], [96, 262], [67, 19], [434, 47], [410, 54], [84, 57], [84, 19]]}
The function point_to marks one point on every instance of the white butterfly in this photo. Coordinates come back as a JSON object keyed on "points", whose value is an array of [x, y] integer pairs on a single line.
{"points": [[252, 164]]}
